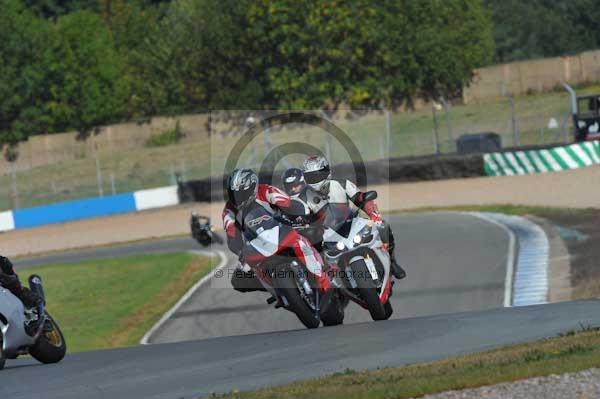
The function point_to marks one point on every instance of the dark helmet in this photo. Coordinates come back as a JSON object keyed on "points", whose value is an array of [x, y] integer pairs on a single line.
{"points": [[242, 187], [317, 173], [293, 181]]}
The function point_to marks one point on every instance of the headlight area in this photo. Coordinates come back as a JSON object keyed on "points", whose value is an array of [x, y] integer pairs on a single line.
{"points": [[365, 235]]}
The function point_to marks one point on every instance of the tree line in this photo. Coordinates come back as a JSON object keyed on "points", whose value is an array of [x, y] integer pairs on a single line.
{"points": [[78, 64]]}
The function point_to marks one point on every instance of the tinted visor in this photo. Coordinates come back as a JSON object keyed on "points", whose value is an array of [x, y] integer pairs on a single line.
{"points": [[243, 196], [316, 176]]}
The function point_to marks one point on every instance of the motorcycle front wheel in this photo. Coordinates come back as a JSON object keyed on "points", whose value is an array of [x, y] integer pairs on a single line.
{"points": [[286, 283], [51, 346], [368, 290], [2, 359]]}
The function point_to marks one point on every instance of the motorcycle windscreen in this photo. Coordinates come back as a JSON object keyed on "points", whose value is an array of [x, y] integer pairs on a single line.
{"points": [[338, 217]]}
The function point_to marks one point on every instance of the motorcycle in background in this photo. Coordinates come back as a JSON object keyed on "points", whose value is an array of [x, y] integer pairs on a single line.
{"points": [[45, 342], [203, 231]]}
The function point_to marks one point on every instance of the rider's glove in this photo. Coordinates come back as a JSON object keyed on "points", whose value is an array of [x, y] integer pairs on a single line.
{"points": [[377, 219]]}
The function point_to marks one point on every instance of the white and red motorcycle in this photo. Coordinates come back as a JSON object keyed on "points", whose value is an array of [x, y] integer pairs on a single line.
{"points": [[352, 246]]}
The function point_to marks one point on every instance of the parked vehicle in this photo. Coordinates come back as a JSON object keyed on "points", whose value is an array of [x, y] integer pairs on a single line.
{"points": [[45, 343]]}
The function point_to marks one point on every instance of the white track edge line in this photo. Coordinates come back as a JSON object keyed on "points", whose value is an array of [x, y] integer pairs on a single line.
{"points": [[510, 260], [146, 338]]}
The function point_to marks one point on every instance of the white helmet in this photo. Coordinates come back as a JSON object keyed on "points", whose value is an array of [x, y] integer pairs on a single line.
{"points": [[317, 173]]}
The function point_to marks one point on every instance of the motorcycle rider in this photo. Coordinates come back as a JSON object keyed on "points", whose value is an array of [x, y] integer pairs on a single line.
{"points": [[195, 223], [248, 213], [293, 182], [10, 280], [324, 189]]}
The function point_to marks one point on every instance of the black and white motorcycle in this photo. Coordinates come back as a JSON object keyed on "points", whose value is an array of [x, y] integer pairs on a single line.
{"points": [[43, 339]]}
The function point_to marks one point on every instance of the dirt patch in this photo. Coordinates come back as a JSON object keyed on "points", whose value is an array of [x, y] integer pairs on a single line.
{"points": [[580, 230]]}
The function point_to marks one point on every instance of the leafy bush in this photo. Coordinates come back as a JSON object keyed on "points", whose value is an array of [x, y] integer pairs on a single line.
{"points": [[168, 137]]}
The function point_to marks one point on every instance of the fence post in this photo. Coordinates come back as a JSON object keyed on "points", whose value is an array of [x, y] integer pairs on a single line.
{"points": [[388, 130], [15, 188], [448, 123], [112, 183], [98, 173], [513, 120], [436, 139]]}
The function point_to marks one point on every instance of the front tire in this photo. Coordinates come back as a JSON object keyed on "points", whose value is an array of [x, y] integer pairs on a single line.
{"points": [[51, 346], [368, 290], [286, 285], [2, 359]]}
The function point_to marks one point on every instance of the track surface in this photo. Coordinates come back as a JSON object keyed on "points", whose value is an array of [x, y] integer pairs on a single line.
{"points": [[192, 369], [455, 263]]}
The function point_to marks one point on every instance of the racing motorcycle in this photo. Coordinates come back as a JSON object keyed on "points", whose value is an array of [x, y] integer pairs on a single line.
{"points": [[353, 248], [292, 285], [45, 342], [203, 231]]}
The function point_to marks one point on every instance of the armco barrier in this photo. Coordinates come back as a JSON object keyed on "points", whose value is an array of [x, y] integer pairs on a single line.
{"points": [[88, 208], [542, 160]]}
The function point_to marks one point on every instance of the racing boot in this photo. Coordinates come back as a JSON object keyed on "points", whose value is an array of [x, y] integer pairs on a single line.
{"points": [[396, 269], [31, 301], [388, 236], [245, 281]]}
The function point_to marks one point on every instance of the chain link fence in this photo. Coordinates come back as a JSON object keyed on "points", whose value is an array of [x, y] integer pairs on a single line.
{"points": [[133, 165]]}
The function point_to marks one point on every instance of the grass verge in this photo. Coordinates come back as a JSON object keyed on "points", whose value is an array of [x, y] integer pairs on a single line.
{"points": [[570, 352], [112, 303]]}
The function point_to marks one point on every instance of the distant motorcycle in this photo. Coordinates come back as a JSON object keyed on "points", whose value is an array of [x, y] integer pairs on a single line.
{"points": [[44, 343], [203, 231], [353, 246]]}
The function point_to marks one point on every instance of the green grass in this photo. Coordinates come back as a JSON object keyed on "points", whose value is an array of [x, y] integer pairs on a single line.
{"points": [[168, 137], [571, 352], [111, 303]]}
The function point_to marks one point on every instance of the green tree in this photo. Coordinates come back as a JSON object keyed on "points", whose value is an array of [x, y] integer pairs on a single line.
{"points": [[86, 81], [544, 28], [323, 53], [23, 43]]}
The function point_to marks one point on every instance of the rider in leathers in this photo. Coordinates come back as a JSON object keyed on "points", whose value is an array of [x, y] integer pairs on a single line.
{"points": [[10, 280], [322, 189], [255, 234]]}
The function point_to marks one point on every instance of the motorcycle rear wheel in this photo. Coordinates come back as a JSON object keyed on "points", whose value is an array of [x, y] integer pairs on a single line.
{"points": [[368, 290], [51, 346], [286, 285], [334, 315]]}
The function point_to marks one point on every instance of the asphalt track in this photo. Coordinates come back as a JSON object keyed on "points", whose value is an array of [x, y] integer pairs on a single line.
{"points": [[197, 368], [456, 269], [455, 262]]}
